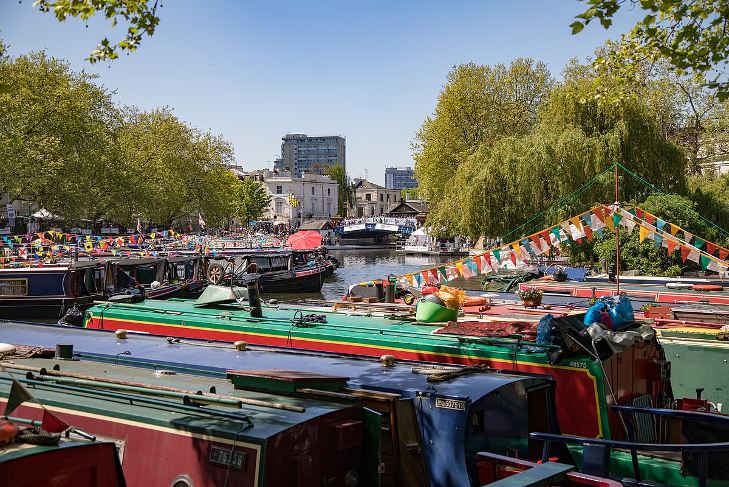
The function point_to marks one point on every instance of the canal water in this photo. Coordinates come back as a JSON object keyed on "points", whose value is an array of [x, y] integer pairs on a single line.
{"points": [[364, 265]]}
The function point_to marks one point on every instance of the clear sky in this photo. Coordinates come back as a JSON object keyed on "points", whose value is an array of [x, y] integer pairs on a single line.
{"points": [[370, 71]]}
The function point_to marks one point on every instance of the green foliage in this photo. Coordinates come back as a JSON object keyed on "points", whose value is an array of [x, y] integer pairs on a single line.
{"points": [[346, 196], [689, 34], [644, 256], [252, 200], [478, 105], [57, 137], [141, 17], [507, 182], [65, 146]]}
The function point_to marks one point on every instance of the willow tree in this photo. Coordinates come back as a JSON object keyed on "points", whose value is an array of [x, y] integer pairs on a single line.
{"points": [[478, 105], [504, 184]]}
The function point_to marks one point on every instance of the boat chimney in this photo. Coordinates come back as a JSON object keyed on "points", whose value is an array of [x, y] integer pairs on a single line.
{"points": [[254, 299], [64, 351]]}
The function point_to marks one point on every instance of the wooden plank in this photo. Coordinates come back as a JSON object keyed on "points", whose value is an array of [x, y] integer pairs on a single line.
{"points": [[539, 476]]}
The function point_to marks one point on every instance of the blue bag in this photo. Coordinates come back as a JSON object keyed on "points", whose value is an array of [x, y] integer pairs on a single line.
{"points": [[593, 314], [622, 313]]}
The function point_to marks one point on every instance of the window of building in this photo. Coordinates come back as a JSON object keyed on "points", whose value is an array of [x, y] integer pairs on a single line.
{"points": [[279, 189], [279, 207], [312, 190], [329, 191], [382, 197], [368, 197], [313, 206]]}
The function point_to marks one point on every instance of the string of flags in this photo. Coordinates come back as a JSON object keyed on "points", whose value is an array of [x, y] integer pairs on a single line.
{"points": [[708, 255], [31, 249]]}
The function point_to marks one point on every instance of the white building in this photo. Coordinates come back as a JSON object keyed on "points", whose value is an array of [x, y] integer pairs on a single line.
{"points": [[316, 195]]}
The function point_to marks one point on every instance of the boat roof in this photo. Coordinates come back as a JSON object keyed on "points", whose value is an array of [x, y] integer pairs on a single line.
{"points": [[216, 358], [213, 420]]}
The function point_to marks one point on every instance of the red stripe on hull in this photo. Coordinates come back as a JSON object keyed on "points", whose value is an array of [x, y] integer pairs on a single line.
{"points": [[578, 381]]}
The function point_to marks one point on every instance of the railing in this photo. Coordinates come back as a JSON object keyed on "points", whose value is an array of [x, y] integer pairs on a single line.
{"points": [[598, 450]]}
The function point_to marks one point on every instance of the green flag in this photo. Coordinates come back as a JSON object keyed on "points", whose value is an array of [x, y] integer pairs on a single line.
{"points": [[18, 395]]}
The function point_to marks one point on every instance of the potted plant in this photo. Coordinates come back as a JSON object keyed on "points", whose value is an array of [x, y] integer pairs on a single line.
{"points": [[646, 308], [530, 298]]}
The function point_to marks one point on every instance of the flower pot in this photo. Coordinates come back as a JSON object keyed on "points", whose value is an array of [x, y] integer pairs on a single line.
{"points": [[531, 302]]}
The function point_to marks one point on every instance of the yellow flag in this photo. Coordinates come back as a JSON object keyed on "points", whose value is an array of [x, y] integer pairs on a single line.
{"points": [[609, 222], [674, 229], [459, 265], [576, 222], [644, 231]]}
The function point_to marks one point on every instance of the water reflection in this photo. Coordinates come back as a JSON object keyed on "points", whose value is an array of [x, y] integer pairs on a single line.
{"points": [[364, 265]]}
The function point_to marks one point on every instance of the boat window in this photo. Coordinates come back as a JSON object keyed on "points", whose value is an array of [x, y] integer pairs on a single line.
{"points": [[13, 287], [279, 263], [263, 263], [180, 270]]}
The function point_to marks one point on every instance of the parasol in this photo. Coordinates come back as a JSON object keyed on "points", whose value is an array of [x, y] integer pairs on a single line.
{"points": [[304, 240]]}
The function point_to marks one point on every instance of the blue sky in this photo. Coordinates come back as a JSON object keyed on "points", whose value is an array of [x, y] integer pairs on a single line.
{"points": [[368, 70]]}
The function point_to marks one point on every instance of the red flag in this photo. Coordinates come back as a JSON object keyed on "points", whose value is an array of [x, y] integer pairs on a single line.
{"points": [[671, 245], [684, 252], [588, 232], [18, 395], [52, 423], [598, 213], [710, 248], [723, 253], [650, 219]]}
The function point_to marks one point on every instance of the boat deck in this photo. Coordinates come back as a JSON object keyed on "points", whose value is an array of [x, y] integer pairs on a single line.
{"points": [[658, 294]]}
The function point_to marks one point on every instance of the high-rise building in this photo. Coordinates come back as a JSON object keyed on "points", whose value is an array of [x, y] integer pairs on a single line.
{"points": [[399, 178], [301, 153]]}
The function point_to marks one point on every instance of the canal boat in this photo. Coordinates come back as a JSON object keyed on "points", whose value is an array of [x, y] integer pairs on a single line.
{"points": [[584, 381], [45, 290], [283, 271], [276, 416], [164, 277], [63, 464]]}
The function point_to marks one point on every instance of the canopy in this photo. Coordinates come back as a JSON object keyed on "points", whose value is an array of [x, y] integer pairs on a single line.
{"points": [[304, 240], [43, 213]]}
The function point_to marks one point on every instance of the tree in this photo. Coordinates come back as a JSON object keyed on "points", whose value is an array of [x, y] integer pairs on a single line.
{"points": [[141, 17], [174, 170], [478, 105], [345, 190], [690, 34], [510, 181], [252, 200], [57, 137]]}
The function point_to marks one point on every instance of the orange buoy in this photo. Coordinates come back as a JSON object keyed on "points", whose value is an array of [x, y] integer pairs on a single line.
{"points": [[708, 287], [474, 301]]}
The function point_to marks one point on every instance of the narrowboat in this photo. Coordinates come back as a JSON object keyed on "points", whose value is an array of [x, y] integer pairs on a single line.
{"points": [[164, 277], [278, 417], [46, 290], [64, 464], [583, 381], [283, 271]]}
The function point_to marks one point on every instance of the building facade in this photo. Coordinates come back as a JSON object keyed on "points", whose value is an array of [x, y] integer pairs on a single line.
{"points": [[373, 199], [400, 178], [301, 153], [296, 199]]}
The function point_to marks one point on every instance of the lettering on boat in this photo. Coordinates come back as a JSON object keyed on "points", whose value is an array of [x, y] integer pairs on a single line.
{"points": [[450, 404]]}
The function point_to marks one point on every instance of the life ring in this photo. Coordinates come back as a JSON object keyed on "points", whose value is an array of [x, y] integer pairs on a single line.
{"points": [[474, 301], [708, 287]]}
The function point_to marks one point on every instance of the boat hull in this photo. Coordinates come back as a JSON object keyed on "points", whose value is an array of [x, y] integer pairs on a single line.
{"points": [[374, 337]]}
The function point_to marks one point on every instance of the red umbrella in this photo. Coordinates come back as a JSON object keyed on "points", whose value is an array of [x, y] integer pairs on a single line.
{"points": [[304, 240]]}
